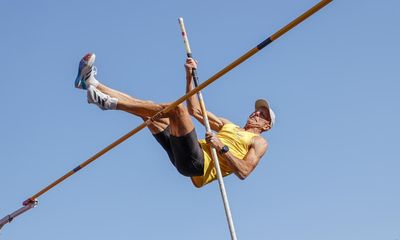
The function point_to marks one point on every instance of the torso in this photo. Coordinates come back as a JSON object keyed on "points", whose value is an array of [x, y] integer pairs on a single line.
{"points": [[237, 139]]}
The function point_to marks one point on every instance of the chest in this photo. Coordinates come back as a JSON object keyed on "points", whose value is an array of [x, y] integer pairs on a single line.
{"points": [[236, 134]]}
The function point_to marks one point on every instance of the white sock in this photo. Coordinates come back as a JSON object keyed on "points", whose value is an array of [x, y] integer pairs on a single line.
{"points": [[102, 100], [92, 81], [113, 102]]}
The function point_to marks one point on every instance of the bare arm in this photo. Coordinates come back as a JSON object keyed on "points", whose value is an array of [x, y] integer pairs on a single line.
{"points": [[242, 168], [193, 103]]}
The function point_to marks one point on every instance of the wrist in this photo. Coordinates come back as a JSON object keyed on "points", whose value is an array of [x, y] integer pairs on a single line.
{"points": [[224, 149]]}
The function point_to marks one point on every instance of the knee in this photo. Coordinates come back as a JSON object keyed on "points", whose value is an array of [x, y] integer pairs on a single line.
{"points": [[180, 110], [176, 112]]}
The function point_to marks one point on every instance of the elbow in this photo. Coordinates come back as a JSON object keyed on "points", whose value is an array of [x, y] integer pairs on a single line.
{"points": [[243, 174], [244, 171], [242, 177]]}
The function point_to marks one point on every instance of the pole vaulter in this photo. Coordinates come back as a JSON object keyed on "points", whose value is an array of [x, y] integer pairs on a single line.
{"points": [[32, 201]]}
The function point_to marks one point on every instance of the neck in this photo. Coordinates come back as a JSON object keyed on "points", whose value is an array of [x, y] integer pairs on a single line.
{"points": [[251, 129]]}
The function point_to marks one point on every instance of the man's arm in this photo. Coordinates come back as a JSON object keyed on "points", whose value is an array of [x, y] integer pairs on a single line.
{"points": [[242, 168], [193, 104]]}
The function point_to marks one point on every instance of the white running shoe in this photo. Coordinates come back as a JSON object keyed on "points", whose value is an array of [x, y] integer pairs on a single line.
{"points": [[86, 72], [103, 101]]}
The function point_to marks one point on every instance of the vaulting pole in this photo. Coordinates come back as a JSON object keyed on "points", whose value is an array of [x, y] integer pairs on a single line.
{"points": [[235, 63], [208, 129]]}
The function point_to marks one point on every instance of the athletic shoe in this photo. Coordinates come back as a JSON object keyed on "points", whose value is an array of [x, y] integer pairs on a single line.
{"points": [[102, 100], [86, 72]]}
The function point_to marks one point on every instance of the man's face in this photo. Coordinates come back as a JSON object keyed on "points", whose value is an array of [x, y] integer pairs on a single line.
{"points": [[260, 118]]}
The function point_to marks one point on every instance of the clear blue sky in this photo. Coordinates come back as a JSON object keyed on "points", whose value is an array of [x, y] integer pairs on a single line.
{"points": [[332, 169]]}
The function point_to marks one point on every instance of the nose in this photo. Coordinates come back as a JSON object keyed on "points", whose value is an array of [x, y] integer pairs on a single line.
{"points": [[255, 114]]}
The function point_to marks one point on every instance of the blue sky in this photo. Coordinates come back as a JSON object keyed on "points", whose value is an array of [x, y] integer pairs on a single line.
{"points": [[331, 171]]}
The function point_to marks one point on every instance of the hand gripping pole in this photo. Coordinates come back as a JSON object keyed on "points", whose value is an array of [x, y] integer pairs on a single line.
{"points": [[212, 79], [208, 129]]}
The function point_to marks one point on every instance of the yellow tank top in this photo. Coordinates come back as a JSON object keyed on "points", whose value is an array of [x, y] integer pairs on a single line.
{"points": [[238, 141]]}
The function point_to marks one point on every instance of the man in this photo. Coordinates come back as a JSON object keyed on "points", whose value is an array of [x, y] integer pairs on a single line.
{"points": [[239, 149]]}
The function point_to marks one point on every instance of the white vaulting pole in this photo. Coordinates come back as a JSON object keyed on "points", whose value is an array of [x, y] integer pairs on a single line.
{"points": [[208, 129]]}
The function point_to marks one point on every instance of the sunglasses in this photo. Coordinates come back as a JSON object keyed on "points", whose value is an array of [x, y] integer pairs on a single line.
{"points": [[263, 114]]}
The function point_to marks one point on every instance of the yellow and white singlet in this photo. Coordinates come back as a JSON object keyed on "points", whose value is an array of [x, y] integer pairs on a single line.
{"points": [[238, 141]]}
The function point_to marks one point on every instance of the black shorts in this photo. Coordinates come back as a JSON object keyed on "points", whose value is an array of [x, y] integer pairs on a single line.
{"points": [[184, 152]]}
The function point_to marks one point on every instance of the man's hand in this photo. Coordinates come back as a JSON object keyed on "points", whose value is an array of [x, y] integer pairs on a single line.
{"points": [[190, 64], [213, 141]]}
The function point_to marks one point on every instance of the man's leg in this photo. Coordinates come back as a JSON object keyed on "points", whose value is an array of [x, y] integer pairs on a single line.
{"points": [[107, 98], [141, 108], [179, 118], [138, 107], [175, 131], [180, 121], [189, 159]]}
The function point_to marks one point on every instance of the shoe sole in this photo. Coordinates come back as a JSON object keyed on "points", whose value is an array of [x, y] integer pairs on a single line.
{"points": [[88, 60]]}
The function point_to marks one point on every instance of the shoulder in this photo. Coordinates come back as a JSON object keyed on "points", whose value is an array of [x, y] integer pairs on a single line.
{"points": [[258, 148], [225, 121], [260, 143]]}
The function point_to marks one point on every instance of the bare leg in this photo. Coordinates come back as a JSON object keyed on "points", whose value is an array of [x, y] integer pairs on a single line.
{"points": [[179, 142], [180, 121], [141, 108], [138, 107]]}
